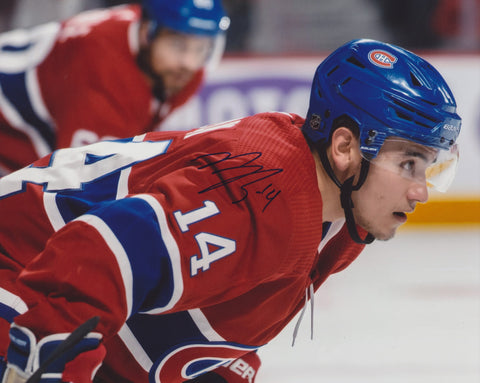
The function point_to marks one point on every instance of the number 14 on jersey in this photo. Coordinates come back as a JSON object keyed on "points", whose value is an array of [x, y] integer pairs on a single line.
{"points": [[212, 247]]}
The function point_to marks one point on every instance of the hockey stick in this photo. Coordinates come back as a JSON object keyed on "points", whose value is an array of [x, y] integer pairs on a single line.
{"points": [[70, 341]]}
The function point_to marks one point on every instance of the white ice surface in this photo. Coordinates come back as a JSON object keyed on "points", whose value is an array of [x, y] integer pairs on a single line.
{"points": [[407, 310]]}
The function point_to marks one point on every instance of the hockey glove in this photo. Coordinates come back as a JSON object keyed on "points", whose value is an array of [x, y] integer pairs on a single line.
{"points": [[25, 356]]}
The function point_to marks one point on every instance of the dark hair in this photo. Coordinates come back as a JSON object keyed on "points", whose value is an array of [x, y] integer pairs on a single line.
{"points": [[348, 123]]}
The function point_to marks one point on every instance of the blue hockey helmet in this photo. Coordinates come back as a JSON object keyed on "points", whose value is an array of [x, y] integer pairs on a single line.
{"points": [[200, 17], [388, 91]]}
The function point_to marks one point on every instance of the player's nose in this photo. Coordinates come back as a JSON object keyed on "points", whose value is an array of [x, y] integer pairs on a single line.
{"points": [[418, 192]]}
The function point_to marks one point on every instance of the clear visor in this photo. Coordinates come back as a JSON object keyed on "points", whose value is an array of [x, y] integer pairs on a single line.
{"points": [[216, 54], [433, 167], [192, 50]]}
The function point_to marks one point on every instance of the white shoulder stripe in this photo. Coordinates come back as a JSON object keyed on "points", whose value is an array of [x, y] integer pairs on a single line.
{"points": [[173, 252], [135, 348], [119, 252], [204, 326]]}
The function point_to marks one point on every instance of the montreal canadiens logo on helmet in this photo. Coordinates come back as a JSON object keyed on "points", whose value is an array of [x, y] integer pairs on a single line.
{"points": [[382, 58]]}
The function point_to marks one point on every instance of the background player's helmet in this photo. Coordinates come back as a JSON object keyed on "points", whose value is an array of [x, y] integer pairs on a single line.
{"points": [[200, 17], [387, 91]]}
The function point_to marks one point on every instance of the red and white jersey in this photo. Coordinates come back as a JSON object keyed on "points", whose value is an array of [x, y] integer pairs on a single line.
{"points": [[74, 83], [194, 248]]}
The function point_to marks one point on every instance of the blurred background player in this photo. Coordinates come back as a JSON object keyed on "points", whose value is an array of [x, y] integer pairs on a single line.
{"points": [[113, 72]]}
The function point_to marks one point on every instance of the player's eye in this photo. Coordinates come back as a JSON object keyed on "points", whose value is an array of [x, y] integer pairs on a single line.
{"points": [[408, 166]]}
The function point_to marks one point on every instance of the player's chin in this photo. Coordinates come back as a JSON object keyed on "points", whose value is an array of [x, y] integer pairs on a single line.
{"points": [[382, 227], [384, 236], [385, 232], [174, 87], [177, 80]]}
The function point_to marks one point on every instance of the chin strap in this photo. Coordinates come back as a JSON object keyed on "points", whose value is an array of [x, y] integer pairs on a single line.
{"points": [[346, 190]]}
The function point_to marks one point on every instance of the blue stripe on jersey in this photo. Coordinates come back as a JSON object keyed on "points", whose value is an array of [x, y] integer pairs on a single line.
{"points": [[158, 333], [135, 225], [14, 88], [7, 313], [164, 336], [74, 203]]}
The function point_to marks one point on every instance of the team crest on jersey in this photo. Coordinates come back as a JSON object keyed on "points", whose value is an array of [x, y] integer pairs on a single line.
{"points": [[191, 360], [382, 59]]}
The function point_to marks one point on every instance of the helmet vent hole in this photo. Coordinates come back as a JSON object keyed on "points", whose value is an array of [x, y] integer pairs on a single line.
{"points": [[354, 61], [333, 70], [427, 117], [415, 80], [403, 105], [403, 116], [430, 102], [422, 124]]}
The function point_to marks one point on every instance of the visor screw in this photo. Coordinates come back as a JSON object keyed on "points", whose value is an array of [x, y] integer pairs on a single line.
{"points": [[371, 136], [315, 121], [451, 142], [442, 140]]}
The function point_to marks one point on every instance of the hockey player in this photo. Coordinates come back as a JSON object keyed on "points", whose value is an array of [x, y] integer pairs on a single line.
{"points": [[114, 72], [196, 248]]}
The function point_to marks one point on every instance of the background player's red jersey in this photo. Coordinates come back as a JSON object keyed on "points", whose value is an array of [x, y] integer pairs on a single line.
{"points": [[194, 248], [75, 83]]}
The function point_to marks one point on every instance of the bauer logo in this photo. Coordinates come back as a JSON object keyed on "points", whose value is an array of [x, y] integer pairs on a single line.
{"points": [[451, 128], [382, 58]]}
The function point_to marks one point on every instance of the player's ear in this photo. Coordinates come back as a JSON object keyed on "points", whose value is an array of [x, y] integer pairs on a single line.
{"points": [[344, 152]]}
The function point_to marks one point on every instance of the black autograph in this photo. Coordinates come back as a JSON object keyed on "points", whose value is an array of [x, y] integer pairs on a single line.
{"points": [[251, 169]]}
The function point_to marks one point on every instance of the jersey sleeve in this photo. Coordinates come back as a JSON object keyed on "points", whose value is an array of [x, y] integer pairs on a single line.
{"points": [[188, 243], [108, 263]]}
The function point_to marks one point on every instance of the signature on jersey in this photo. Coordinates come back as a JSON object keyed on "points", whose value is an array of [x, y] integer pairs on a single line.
{"points": [[242, 168]]}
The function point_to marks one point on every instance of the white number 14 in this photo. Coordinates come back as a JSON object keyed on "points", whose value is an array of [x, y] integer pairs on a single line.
{"points": [[222, 246]]}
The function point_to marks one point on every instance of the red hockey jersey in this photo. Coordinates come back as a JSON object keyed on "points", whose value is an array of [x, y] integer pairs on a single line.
{"points": [[194, 248], [75, 83]]}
